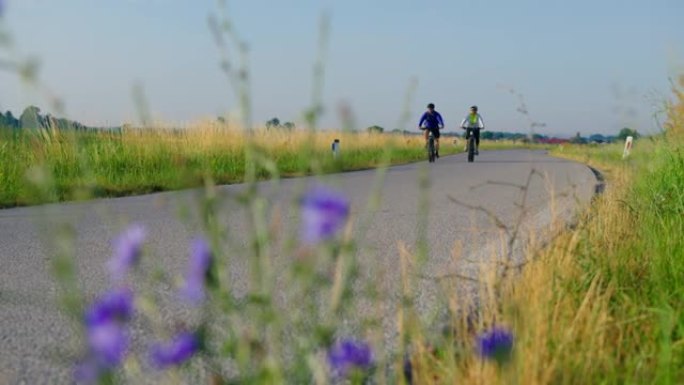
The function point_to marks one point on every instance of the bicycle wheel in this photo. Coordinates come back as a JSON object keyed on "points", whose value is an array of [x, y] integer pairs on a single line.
{"points": [[471, 148], [431, 149]]}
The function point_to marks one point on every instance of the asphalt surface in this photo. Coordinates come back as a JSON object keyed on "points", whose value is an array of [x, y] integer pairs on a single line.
{"points": [[37, 341]]}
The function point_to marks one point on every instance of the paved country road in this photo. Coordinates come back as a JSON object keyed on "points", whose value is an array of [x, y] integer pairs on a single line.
{"points": [[34, 335]]}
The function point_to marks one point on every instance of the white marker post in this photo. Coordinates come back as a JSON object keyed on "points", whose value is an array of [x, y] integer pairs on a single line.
{"points": [[628, 147]]}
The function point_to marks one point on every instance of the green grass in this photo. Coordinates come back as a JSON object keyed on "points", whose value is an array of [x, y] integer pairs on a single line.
{"points": [[646, 270], [604, 304], [53, 166]]}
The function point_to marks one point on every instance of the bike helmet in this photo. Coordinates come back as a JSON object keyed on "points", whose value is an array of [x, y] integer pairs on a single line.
{"points": [[431, 106], [473, 108]]}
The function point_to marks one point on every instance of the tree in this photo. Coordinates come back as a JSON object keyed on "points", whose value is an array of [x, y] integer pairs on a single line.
{"points": [[273, 123], [31, 119], [578, 139], [375, 129], [625, 132], [10, 120], [289, 126]]}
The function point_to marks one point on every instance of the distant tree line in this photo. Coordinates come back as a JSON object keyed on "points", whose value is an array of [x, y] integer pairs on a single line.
{"points": [[535, 138], [599, 138], [32, 119], [275, 124], [8, 121]]}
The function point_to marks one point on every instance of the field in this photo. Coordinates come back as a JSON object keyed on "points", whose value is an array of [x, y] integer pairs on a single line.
{"points": [[81, 165]]}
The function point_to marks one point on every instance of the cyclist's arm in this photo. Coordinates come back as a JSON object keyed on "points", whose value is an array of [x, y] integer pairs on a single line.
{"points": [[463, 122], [440, 120], [481, 122], [422, 120]]}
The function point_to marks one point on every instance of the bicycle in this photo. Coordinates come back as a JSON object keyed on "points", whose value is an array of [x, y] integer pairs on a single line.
{"points": [[471, 144], [431, 147]]}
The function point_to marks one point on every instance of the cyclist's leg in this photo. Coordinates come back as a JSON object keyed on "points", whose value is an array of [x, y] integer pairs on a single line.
{"points": [[467, 136], [477, 140], [436, 135]]}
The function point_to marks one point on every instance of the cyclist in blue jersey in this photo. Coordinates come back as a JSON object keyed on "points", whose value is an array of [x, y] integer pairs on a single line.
{"points": [[431, 121]]}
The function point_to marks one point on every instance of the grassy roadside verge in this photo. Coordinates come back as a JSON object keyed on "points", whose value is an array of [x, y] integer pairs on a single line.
{"points": [[604, 304], [86, 165]]}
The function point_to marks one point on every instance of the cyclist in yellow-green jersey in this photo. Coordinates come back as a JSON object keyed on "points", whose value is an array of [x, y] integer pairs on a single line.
{"points": [[473, 123]]}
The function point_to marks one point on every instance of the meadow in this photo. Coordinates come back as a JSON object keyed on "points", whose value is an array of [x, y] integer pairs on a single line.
{"points": [[83, 165]]}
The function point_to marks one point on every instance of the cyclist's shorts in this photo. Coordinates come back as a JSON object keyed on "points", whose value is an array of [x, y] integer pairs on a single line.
{"points": [[435, 132], [474, 130]]}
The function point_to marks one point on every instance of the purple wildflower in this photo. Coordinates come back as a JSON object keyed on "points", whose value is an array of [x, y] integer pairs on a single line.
{"points": [[108, 342], [108, 339], [495, 344], [105, 323], [198, 269], [127, 251], [180, 349], [324, 212], [349, 355], [116, 305]]}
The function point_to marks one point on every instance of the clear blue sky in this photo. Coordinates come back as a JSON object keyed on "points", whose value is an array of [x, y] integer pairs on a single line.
{"points": [[582, 65]]}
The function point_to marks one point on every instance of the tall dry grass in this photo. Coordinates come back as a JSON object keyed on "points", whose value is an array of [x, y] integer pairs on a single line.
{"points": [[602, 304], [143, 160], [134, 161]]}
